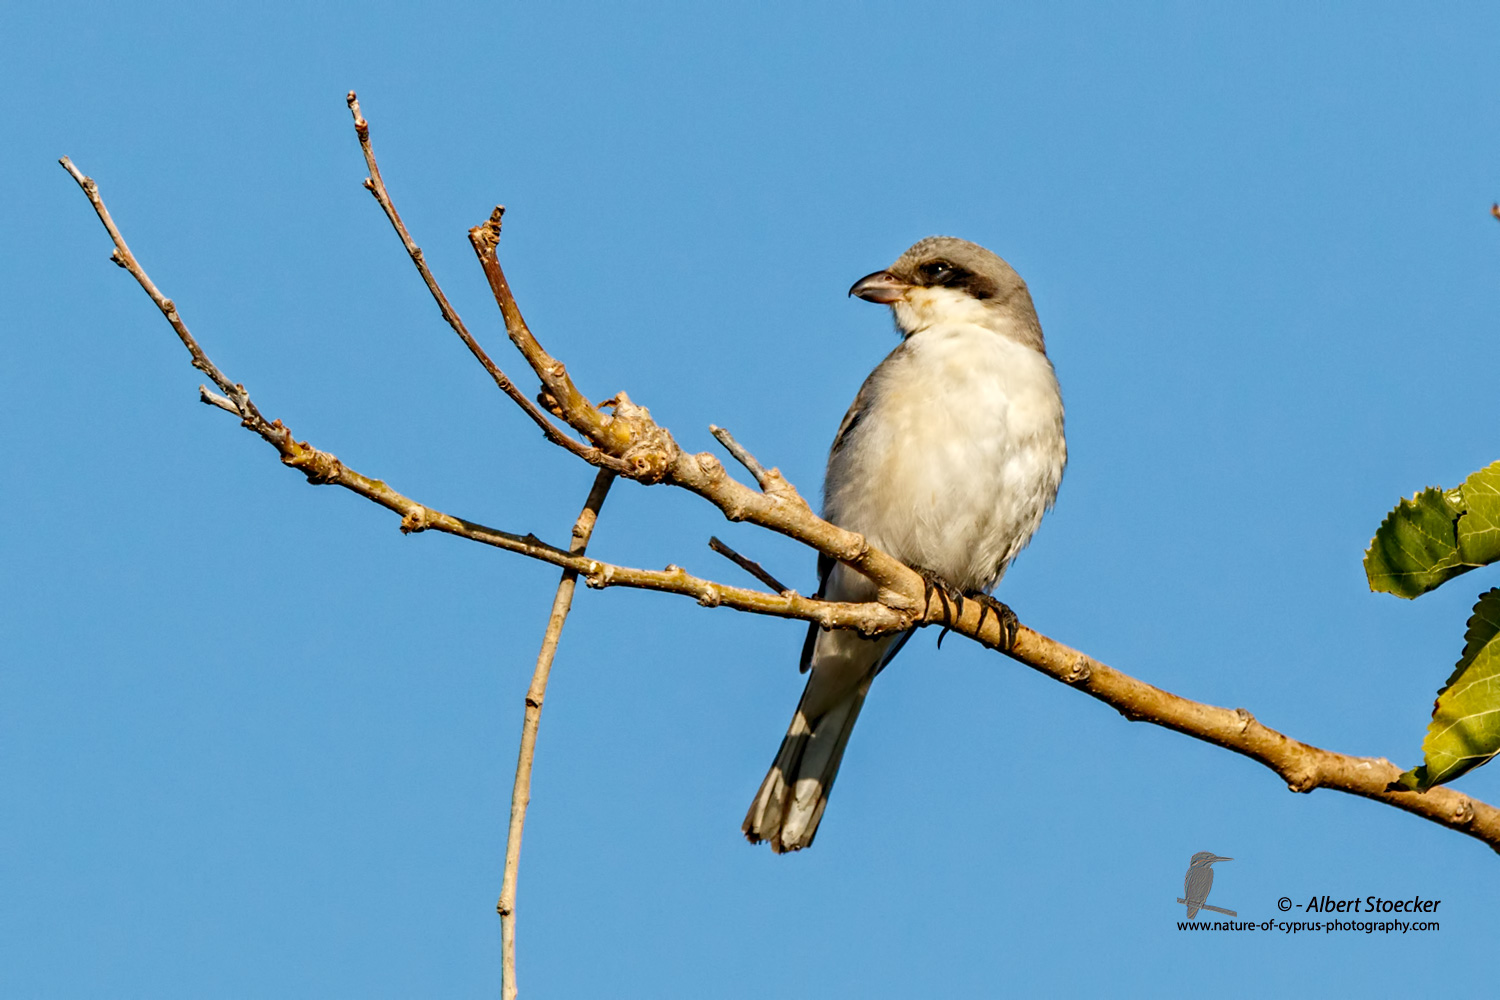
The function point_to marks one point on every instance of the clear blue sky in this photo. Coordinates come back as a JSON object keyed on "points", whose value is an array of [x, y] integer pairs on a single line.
{"points": [[256, 743]]}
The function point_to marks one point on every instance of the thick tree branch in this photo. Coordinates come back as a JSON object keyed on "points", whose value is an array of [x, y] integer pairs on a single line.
{"points": [[520, 795], [650, 455]]}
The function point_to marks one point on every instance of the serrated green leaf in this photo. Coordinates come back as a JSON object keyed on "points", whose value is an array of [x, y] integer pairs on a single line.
{"points": [[1465, 727], [1416, 547], [1479, 527]]}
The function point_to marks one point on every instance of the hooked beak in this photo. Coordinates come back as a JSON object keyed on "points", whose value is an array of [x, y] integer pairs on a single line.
{"points": [[882, 286]]}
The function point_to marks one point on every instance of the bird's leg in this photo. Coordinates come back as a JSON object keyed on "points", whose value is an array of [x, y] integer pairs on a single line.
{"points": [[1010, 625]]}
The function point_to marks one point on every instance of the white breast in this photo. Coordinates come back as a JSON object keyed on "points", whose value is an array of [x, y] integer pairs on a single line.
{"points": [[957, 455]]}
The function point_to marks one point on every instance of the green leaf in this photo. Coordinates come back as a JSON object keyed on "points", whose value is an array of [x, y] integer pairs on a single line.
{"points": [[1436, 535], [1465, 728], [1416, 546], [1479, 527]]}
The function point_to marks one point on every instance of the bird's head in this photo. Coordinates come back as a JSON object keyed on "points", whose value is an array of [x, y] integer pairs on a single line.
{"points": [[1204, 859], [946, 280]]}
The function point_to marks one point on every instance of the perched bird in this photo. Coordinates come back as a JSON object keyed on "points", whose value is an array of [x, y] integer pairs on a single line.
{"points": [[948, 458], [1198, 881]]}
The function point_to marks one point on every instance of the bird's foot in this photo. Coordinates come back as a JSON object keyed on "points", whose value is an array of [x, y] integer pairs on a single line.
{"points": [[1010, 625], [951, 600]]}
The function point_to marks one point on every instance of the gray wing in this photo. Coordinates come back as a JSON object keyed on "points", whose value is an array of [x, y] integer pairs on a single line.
{"points": [[857, 410], [862, 401]]}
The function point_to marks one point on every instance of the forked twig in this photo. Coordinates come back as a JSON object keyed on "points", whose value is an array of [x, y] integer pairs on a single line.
{"points": [[375, 184], [323, 468]]}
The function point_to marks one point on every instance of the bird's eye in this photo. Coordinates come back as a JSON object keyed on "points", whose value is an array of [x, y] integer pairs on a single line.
{"points": [[937, 271]]}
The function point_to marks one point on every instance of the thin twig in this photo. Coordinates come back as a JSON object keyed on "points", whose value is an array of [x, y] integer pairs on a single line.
{"points": [[214, 399], [520, 795], [750, 566], [772, 483], [375, 184], [741, 455], [122, 256], [1302, 766]]}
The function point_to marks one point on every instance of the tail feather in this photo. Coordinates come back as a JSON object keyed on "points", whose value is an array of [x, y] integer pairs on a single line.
{"points": [[790, 803]]}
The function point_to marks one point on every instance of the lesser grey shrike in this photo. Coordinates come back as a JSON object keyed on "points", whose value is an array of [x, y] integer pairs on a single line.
{"points": [[948, 458]]}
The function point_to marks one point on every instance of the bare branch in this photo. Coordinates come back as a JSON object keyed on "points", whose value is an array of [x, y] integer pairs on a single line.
{"points": [[749, 566], [375, 184], [652, 456], [520, 795], [241, 404]]}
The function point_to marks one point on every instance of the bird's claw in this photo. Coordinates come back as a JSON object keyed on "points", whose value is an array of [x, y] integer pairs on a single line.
{"points": [[1010, 625]]}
